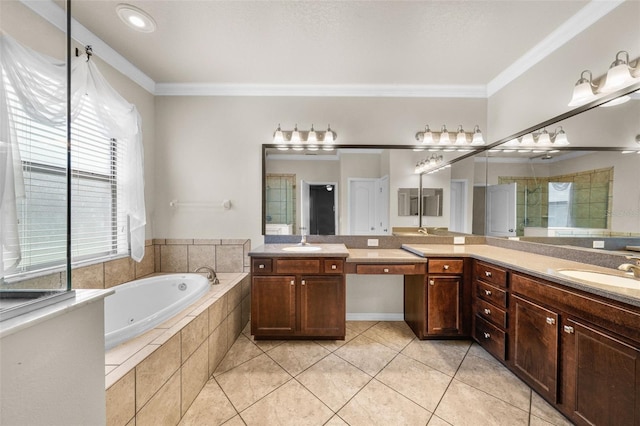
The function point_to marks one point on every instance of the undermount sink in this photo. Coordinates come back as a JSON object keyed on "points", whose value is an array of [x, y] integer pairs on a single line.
{"points": [[302, 249], [602, 278]]}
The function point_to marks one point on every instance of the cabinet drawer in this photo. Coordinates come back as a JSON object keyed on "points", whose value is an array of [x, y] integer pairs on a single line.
{"points": [[445, 266], [491, 294], [297, 266], [332, 266], [261, 266], [491, 274], [373, 268], [490, 337], [491, 313]]}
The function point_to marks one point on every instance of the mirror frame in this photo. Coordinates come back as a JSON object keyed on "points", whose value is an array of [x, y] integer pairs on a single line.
{"points": [[478, 149]]}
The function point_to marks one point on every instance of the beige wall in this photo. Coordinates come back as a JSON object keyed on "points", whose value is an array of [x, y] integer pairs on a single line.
{"points": [[208, 149], [544, 91]]}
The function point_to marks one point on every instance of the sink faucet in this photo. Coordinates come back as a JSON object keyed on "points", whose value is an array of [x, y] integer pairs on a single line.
{"points": [[303, 238], [630, 267], [211, 274], [423, 230]]}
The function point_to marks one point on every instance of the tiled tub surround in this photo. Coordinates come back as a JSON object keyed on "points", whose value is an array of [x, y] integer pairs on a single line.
{"points": [[154, 378]]}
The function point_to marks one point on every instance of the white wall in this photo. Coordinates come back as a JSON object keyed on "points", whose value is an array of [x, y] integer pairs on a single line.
{"points": [[208, 149]]}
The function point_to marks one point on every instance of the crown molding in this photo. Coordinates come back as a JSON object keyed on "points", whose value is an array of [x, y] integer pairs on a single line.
{"points": [[58, 18], [322, 90], [579, 22]]}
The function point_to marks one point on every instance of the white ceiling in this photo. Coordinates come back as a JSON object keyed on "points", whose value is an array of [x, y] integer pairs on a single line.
{"points": [[386, 43]]}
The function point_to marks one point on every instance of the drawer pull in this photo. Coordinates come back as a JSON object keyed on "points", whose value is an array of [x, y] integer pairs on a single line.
{"points": [[446, 267], [293, 282], [487, 292], [303, 282], [487, 311], [487, 274], [385, 270], [431, 282], [550, 321], [568, 329], [486, 335], [261, 266], [334, 267]]}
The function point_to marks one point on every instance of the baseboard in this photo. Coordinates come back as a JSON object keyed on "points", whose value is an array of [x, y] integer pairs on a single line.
{"points": [[374, 316]]}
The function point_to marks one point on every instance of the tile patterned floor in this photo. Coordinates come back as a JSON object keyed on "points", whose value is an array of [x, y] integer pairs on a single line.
{"points": [[380, 375]]}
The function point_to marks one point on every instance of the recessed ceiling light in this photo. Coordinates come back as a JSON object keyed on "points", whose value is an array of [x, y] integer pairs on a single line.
{"points": [[136, 18]]}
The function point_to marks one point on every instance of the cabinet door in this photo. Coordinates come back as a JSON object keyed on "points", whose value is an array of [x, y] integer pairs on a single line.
{"points": [[273, 305], [535, 346], [322, 306], [601, 377], [443, 305]]}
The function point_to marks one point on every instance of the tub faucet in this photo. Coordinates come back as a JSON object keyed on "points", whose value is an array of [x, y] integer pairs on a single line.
{"points": [[211, 274], [630, 267]]}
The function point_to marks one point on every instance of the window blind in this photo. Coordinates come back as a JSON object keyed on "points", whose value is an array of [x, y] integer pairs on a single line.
{"points": [[99, 223]]}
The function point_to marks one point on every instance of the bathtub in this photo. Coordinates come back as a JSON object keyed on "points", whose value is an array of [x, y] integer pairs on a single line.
{"points": [[140, 305]]}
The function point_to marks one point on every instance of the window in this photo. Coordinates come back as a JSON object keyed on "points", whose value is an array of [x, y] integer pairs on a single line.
{"points": [[99, 223]]}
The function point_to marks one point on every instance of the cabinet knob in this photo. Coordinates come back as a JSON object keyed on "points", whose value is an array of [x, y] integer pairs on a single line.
{"points": [[487, 292], [568, 329], [304, 282], [487, 274], [446, 267], [334, 267], [385, 270], [487, 311], [551, 321], [293, 282], [486, 335], [431, 282], [260, 266]]}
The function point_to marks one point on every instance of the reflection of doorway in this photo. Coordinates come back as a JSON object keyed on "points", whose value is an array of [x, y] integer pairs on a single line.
{"points": [[318, 207], [458, 208], [501, 210], [322, 219], [368, 212]]}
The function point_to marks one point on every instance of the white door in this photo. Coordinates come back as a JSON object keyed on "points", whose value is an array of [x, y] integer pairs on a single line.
{"points": [[458, 211], [362, 206], [382, 206], [501, 210]]}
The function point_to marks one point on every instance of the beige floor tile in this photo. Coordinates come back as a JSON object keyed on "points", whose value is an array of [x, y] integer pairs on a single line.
{"points": [[437, 421], [332, 345], [494, 378], [247, 330], [537, 421], [334, 381], [336, 421], [543, 410], [297, 356], [465, 405], [290, 404], [366, 354], [252, 380], [360, 326], [235, 421], [241, 351], [416, 381], [443, 355], [267, 345], [211, 407], [479, 351], [377, 404], [390, 334]]}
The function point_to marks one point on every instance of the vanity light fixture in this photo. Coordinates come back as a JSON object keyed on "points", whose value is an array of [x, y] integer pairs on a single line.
{"points": [[299, 140], [542, 138], [621, 74], [136, 18], [443, 137], [428, 163]]}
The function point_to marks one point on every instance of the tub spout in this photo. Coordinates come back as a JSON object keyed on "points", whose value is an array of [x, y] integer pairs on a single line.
{"points": [[211, 274]]}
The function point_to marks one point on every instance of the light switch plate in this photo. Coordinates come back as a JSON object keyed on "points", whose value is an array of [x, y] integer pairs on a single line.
{"points": [[598, 244], [372, 242], [458, 240]]}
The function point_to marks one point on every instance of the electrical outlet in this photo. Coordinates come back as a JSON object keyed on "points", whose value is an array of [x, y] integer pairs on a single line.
{"points": [[372, 242], [458, 240], [598, 244]]}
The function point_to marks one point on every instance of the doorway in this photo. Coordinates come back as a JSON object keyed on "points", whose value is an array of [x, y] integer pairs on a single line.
{"points": [[322, 207]]}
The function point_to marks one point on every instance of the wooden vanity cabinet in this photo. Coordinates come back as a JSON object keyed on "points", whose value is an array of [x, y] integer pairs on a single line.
{"points": [[437, 305], [489, 308], [298, 298]]}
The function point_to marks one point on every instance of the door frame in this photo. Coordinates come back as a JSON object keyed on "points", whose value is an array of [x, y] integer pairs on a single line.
{"points": [[304, 203]]}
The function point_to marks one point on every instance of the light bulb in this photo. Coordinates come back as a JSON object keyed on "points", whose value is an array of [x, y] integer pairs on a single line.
{"points": [[427, 137], [544, 138], [444, 136], [583, 90], [619, 74], [295, 135], [461, 137], [560, 138], [312, 137], [477, 136], [527, 140]]}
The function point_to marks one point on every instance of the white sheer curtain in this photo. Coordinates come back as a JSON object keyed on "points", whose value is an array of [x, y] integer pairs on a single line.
{"points": [[39, 81]]}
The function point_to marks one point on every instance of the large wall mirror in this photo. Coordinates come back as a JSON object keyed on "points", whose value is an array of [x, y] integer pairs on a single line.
{"points": [[587, 188]]}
